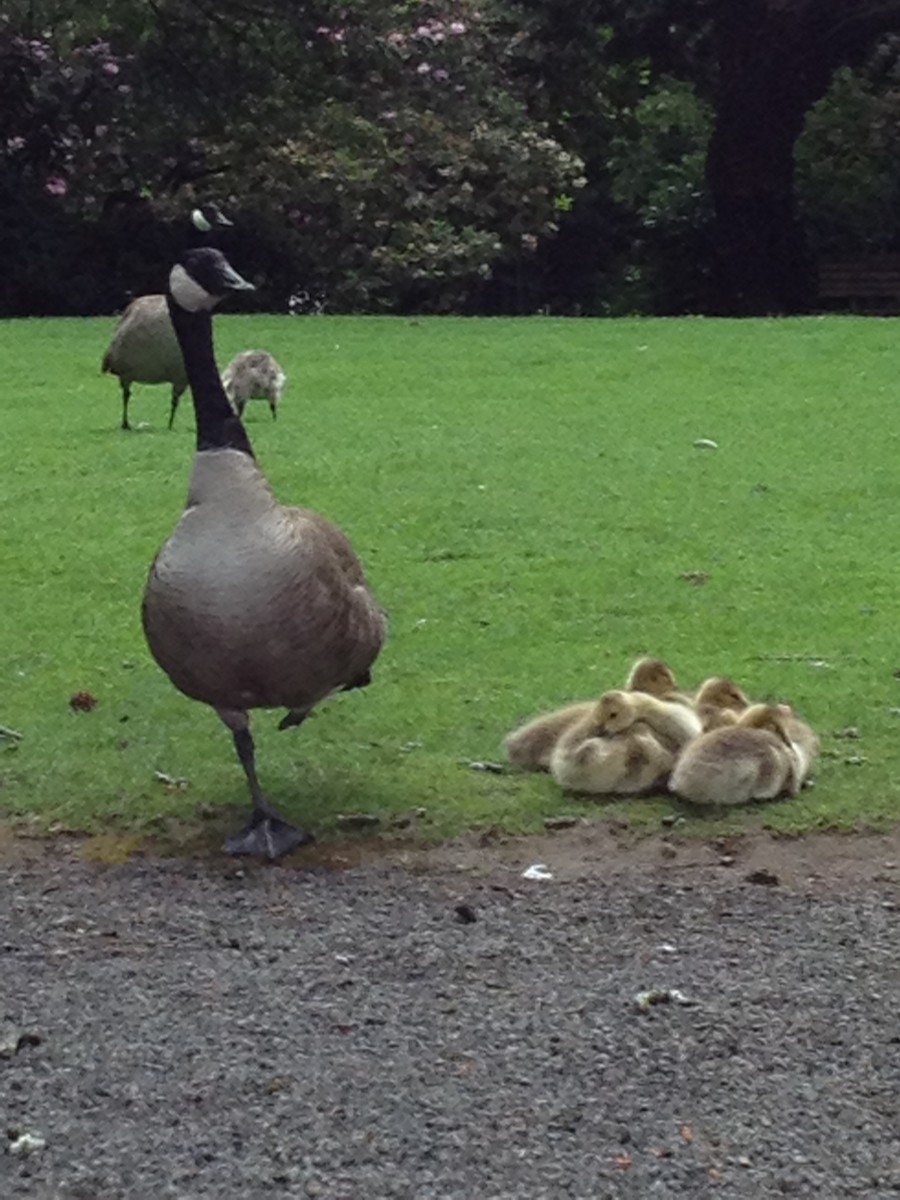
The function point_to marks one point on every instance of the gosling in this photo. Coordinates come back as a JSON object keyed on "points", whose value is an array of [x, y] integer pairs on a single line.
{"points": [[254, 375], [767, 753], [586, 760]]}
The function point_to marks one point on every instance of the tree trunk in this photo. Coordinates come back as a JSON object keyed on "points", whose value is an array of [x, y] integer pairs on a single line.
{"points": [[774, 64]]}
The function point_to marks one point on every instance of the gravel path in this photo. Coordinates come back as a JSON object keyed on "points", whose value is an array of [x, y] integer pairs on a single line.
{"points": [[211, 1032]]}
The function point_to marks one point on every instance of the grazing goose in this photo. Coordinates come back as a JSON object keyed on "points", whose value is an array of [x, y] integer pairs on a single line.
{"points": [[253, 375], [587, 760], [144, 348], [768, 752], [250, 604]]}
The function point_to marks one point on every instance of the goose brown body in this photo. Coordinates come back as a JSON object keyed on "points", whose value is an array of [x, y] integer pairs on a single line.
{"points": [[144, 349], [251, 604]]}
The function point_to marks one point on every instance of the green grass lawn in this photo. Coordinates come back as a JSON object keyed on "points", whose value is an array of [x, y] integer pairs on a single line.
{"points": [[526, 497]]}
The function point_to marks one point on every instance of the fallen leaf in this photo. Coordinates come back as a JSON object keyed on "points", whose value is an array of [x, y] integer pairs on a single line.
{"points": [[687, 1133], [82, 702], [623, 1161]]}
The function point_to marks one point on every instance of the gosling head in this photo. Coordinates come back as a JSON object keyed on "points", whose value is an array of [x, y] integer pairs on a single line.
{"points": [[770, 717], [207, 217], [614, 712], [203, 278], [651, 675], [720, 692]]}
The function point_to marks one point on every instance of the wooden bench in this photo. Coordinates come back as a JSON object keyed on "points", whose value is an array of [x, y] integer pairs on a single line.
{"points": [[869, 283]]}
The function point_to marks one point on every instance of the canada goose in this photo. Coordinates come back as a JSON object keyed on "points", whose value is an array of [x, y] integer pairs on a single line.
{"points": [[767, 753], [253, 375], [673, 724], [587, 760], [144, 348], [719, 701], [250, 604]]}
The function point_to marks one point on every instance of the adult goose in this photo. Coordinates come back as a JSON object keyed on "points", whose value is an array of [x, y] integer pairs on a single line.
{"points": [[143, 348], [250, 604]]}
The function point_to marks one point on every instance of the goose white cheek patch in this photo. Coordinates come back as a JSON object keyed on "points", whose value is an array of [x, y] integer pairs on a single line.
{"points": [[187, 293]]}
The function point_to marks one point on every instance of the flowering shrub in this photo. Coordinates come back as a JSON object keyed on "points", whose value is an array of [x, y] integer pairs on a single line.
{"points": [[406, 192], [372, 153]]}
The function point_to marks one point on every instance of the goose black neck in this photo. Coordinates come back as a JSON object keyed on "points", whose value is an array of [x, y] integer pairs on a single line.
{"points": [[217, 426]]}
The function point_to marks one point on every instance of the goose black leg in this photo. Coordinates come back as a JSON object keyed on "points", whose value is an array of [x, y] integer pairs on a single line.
{"points": [[176, 396], [126, 396], [267, 833]]}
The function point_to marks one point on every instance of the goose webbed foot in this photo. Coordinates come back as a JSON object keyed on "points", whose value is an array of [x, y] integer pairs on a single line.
{"points": [[268, 835]]}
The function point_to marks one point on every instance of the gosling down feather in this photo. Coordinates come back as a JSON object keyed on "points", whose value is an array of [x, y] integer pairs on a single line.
{"points": [[588, 760], [250, 604], [144, 348], [766, 753]]}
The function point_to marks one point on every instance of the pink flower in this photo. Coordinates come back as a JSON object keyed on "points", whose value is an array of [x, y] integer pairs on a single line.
{"points": [[15, 143], [456, 28], [423, 69], [110, 68], [56, 185], [441, 75]]}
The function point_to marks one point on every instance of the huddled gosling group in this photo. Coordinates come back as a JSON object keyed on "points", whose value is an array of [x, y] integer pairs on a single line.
{"points": [[711, 747]]}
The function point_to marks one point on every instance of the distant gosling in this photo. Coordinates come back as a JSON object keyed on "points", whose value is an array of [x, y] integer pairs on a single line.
{"points": [[626, 763], [767, 753], [253, 375]]}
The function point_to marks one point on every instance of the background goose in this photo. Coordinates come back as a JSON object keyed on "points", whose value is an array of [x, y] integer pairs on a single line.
{"points": [[144, 348], [253, 375], [250, 604]]}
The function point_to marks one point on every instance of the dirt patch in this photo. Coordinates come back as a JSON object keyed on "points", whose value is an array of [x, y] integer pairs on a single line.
{"points": [[829, 861]]}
